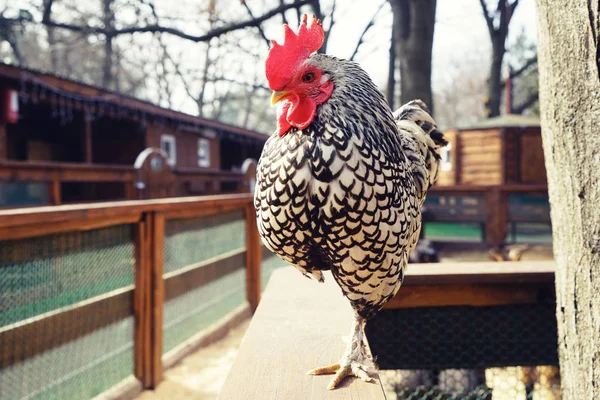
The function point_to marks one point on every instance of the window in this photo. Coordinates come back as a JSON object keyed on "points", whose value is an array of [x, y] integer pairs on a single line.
{"points": [[447, 158], [203, 153], [167, 144]]}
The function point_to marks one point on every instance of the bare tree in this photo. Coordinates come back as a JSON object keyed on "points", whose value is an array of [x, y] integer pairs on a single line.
{"points": [[569, 64], [497, 23], [414, 22]]}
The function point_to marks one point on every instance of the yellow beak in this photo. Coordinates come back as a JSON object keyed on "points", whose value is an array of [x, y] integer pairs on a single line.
{"points": [[278, 95]]}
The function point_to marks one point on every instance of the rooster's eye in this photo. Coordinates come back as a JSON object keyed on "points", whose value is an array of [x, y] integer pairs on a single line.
{"points": [[308, 77]]}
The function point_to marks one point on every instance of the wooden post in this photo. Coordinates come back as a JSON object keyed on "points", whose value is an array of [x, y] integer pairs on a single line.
{"points": [[158, 296], [496, 216], [3, 143], [253, 258], [141, 305], [457, 158], [87, 140], [149, 299], [54, 196]]}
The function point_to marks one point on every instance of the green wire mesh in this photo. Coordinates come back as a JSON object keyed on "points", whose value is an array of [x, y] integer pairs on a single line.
{"points": [[193, 241], [45, 274], [506, 352], [508, 383]]}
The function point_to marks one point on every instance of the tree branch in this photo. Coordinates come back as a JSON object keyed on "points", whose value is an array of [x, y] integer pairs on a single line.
{"points": [[369, 26], [164, 29], [488, 20], [259, 27], [528, 102], [516, 73]]}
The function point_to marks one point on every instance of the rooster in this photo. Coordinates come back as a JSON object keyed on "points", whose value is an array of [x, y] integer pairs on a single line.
{"points": [[341, 182]]}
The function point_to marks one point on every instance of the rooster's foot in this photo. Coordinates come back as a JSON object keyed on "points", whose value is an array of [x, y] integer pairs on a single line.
{"points": [[348, 368]]}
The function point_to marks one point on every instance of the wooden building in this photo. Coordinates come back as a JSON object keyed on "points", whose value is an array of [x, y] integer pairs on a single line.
{"points": [[62, 142], [497, 151]]}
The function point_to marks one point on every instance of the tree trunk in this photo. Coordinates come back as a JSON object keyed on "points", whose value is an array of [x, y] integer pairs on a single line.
{"points": [[107, 66], [414, 21], [495, 82], [569, 58], [391, 83]]}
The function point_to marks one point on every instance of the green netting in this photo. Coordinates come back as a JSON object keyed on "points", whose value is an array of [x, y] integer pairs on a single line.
{"points": [[189, 241], [45, 274], [80, 369], [192, 241], [42, 274], [509, 383], [196, 310]]}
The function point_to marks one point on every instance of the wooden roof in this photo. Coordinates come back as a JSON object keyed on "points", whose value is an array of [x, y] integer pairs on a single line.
{"points": [[87, 92], [504, 121]]}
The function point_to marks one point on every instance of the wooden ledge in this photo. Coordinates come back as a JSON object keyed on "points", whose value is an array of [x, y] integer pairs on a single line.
{"points": [[298, 325]]}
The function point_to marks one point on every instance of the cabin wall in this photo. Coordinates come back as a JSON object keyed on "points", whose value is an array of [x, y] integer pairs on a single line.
{"points": [[449, 176], [116, 141], [533, 168], [512, 154], [480, 157], [186, 145]]}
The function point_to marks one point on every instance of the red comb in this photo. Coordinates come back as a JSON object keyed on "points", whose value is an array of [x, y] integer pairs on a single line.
{"points": [[282, 59]]}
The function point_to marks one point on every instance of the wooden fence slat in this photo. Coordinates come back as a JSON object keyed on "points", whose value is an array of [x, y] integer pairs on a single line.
{"points": [[157, 234], [141, 303], [253, 258]]}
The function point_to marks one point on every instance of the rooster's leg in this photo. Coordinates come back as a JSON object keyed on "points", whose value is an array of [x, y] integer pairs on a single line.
{"points": [[356, 360]]}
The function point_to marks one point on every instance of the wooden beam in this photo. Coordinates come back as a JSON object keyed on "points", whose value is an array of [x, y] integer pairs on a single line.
{"points": [[142, 305], [253, 258], [37, 215], [466, 295], [27, 338], [516, 272], [42, 229], [192, 277], [157, 234], [299, 325]]}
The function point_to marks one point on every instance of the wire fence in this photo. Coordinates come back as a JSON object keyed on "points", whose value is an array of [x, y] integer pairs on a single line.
{"points": [[93, 299]]}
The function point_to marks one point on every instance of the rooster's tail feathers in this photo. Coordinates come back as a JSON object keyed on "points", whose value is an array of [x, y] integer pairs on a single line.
{"points": [[418, 112], [422, 143]]}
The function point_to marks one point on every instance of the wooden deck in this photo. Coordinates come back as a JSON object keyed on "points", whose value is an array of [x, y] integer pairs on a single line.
{"points": [[298, 325]]}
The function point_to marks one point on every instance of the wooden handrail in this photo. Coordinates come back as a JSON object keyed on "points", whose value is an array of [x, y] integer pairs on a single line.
{"points": [[85, 212]]}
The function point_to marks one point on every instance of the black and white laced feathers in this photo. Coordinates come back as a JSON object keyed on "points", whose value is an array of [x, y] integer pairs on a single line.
{"points": [[345, 193]]}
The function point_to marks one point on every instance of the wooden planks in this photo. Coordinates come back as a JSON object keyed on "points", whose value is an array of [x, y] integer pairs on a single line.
{"points": [[464, 295], [475, 284], [517, 272], [299, 324], [32, 336]]}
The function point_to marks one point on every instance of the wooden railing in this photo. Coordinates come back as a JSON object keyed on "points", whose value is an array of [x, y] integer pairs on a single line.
{"points": [[180, 182], [145, 299], [485, 205]]}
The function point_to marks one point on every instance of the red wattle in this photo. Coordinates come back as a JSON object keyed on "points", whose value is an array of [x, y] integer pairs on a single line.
{"points": [[302, 112], [295, 111], [283, 126]]}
